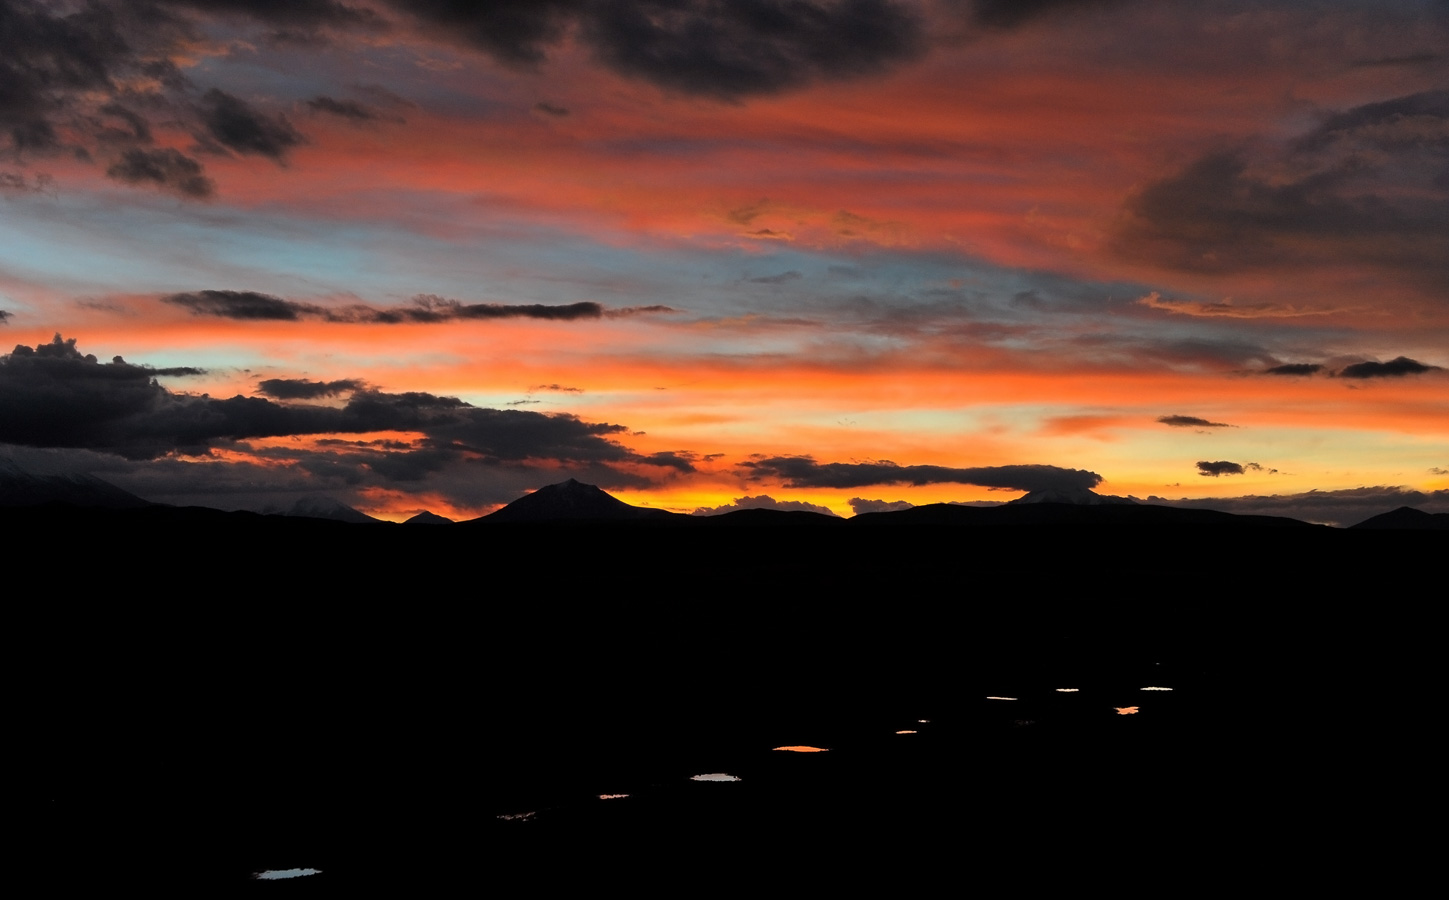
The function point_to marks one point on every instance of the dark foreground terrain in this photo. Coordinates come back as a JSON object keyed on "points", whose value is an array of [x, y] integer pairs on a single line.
{"points": [[199, 697]]}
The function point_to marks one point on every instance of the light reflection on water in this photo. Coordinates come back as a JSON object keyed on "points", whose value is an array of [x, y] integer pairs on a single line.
{"points": [[803, 749], [714, 776], [1000, 698], [1125, 710], [612, 796], [1072, 690], [1157, 689], [905, 732], [518, 817], [278, 874]]}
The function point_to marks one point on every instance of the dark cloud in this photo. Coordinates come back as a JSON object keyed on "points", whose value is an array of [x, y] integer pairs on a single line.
{"points": [[5, 315], [347, 109], [1410, 59], [1394, 368], [625, 311], [244, 305], [1015, 13], [53, 396], [426, 308], [167, 169], [68, 76], [302, 13], [301, 389], [680, 460], [860, 505], [515, 32], [1221, 467], [1191, 422], [136, 129], [778, 279], [551, 110], [1365, 186], [764, 501], [803, 472], [1411, 120], [49, 56], [237, 125], [1294, 369], [556, 387], [726, 50]]}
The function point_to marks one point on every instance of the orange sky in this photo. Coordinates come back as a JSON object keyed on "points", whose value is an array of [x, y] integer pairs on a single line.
{"points": [[977, 246]]}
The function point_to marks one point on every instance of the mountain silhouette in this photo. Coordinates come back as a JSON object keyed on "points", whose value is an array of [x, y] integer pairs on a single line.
{"points": [[21, 488], [327, 508], [1071, 496], [573, 501], [428, 518], [1406, 518]]}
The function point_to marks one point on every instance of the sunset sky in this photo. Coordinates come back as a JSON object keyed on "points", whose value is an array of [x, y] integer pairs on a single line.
{"points": [[431, 254]]}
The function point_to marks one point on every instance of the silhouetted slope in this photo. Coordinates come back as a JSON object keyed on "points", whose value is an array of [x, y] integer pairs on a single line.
{"points": [[328, 508], [768, 518], [572, 501], [21, 488], [428, 518], [1406, 518], [1073, 496], [345, 713], [1141, 515]]}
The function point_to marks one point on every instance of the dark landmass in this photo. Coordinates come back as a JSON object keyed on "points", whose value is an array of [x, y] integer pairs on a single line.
{"points": [[19, 488], [205, 695], [1406, 518], [326, 508]]}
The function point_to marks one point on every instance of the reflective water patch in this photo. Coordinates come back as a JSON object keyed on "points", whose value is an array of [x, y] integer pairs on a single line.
{"points": [[277, 874]]}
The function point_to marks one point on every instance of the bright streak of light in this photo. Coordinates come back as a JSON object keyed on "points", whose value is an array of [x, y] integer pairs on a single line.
{"points": [[905, 732], [805, 749], [1156, 689], [1125, 710], [612, 796], [714, 776], [1000, 698], [278, 874], [1073, 690]]}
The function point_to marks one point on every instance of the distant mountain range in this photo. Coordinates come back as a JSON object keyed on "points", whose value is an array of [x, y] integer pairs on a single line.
{"points": [[574, 502], [21, 488]]}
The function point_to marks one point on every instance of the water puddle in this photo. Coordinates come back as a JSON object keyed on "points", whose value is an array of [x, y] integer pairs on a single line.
{"points": [[714, 776], [278, 874], [805, 749]]}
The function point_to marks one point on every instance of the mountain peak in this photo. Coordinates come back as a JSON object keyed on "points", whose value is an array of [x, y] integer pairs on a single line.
{"points": [[19, 487], [1071, 497], [572, 501], [322, 507]]}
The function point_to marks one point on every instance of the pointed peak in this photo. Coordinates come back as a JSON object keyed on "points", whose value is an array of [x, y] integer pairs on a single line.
{"points": [[571, 500], [1072, 497]]}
